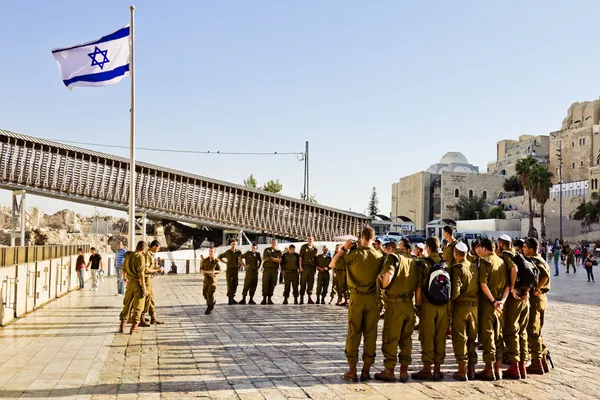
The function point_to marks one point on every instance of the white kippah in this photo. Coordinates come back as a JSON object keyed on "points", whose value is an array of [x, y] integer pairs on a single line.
{"points": [[506, 238], [421, 246], [460, 246]]}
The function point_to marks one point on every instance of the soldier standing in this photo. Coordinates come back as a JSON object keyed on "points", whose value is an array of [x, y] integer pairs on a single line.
{"points": [[290, 263], [570, 259], [252, 261], [495, 287], [400, 279], [379, 249], [340, 272], [151, 269], [334, 288], [308, 264], [363, 266], [323, 261], [135, 292], [465, 292], [271, 260], [232, 259], [448, 234], [538, 304], [210, 268]]}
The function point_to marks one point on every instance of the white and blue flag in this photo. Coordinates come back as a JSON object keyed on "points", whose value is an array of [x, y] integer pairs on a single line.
{"points": [[101, 62]]}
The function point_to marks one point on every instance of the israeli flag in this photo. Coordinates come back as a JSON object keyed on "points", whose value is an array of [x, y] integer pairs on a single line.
{"points": [[101, 62]]}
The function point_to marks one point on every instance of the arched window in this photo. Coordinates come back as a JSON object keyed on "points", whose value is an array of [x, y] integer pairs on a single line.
{"points": [[503, 172], [470, 194], [484, 194], [456, 193]]}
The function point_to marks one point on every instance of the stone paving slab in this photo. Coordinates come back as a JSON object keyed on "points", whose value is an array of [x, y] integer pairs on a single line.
{"points": [[70, 349]]}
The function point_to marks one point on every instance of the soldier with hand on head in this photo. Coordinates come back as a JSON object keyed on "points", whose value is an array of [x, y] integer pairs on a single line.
{"points": [[231, 258]]}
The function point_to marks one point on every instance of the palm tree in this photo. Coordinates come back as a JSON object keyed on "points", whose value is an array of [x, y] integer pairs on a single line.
{"points": [[542, 183], [525, 167]]}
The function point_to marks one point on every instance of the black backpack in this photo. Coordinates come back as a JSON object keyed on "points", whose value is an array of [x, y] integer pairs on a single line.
{"points": [[528, 274], [438, 284]]}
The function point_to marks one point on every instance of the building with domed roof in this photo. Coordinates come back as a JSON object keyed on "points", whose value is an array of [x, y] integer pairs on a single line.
{"points": [[433, 194]]}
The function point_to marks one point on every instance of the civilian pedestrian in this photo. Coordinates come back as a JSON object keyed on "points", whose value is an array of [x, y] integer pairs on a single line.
{"points": [[96, 265], [119, 258]]}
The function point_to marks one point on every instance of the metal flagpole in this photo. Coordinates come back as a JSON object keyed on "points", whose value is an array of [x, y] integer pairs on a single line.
{"points": [[132, 139]]}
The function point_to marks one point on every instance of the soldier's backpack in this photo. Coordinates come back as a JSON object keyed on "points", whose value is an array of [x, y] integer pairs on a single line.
{"points": [[438, 290], [528, 275]]}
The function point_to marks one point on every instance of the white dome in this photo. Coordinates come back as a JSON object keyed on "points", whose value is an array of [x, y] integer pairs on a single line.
{"points": [[462, 168], [454, 157]]}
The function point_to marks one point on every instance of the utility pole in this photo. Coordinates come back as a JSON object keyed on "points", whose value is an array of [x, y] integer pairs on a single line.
{"points": [[306, 188], [560, 191]]}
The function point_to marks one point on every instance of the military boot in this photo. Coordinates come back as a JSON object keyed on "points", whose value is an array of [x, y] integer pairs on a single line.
{"points": [[403, 373], [230, 302], [143, 324], [424, 374], [487, 374], [522, 370], [513, 371], [461, 374], [536, 367], [264, 301], [301, 299], [243, 301], [134, 328], [251, 301], [545, 364], [154, 321], [437, 372], [351, 375], [233, 300], [323, 300], [310, 300], [270, 301], [207, 311], [122, 326], [295, 300], [318, 300], [365, 374], [387, 375], [285, 301], [471, 371], [498, 370]]}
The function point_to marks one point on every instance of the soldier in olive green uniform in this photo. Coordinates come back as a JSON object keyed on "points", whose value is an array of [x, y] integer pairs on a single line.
{"points": [[334, 288], [290, 264], [465, 292], [323, 261], [210, 268], [448, 233], [151, 269], [308, 268], [271, 260], [232, 259], [493, 278], [341, 283], [135, 293], [433, 321], [378, 248], [538, 303], [570, 259], [363, 267], [252, 260], [516, 316], [401, 280]]}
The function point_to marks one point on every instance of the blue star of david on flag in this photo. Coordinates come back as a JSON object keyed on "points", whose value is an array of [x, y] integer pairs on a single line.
{"points": [[97, 52]]}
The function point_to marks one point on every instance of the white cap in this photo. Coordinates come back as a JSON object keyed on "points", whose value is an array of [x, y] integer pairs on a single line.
{"points": [[460, 246], [506, 238], [421, 246]]}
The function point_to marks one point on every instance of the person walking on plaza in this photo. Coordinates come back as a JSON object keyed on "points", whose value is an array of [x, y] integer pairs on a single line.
{"points": [[210, 268], [400, 278], [588, 264], [119, 258], [97, 265], [363, 265], [570, 259], [151, 270], [271, 260], [538, 304], [308, 268], [577, 252], [323, 261], [231, 258], [556, 256], [465, 301], [251, 261], [290, 264], [80, 266], [134, 266]]}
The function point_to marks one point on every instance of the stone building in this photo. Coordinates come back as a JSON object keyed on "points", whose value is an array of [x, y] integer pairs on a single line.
{"points": [[509, 152]]}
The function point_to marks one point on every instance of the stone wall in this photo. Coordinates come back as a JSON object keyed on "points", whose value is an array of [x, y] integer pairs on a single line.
{"points": [[580, 150], [412, 193], [481, 185], [570, 205]]}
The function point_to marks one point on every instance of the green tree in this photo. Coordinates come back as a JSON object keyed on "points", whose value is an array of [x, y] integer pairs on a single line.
{"points": [[373, 203], [512, 184], [496, 212], [250, 182], [470, 208], [273, 186], [542, 183], [525, 170], [311, 199], [589, 212]]}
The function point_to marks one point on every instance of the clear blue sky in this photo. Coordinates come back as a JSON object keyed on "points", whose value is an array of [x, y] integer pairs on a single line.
{"points": [[380, 89]]}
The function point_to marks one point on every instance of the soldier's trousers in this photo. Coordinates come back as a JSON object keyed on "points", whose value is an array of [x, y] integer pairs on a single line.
{"points": [[307, 281], [536, 323], [149, 306], [398, 326], [516, 319], [433, 326], [464, 331], [133, 301], [363, 316], [490, 332], [250, 281], [209, 287], [334, 289], [341, 284], [232, 281], [269, 281], [322, 283], [290, 278], [571, 262], [380, 295]]}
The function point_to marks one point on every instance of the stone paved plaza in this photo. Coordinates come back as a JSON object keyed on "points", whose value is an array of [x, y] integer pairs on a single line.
{"points": [[70, 349]]}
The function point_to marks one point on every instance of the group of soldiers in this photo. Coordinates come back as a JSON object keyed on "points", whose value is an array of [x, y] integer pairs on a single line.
{"points": [[139, 268], [485, 305]]}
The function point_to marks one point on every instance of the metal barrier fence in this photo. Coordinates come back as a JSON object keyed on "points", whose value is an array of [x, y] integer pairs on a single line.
{"points": [[26, 254]]}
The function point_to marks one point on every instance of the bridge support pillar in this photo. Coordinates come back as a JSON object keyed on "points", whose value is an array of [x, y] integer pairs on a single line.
{"points": [[18, 217], [140, 228]]}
